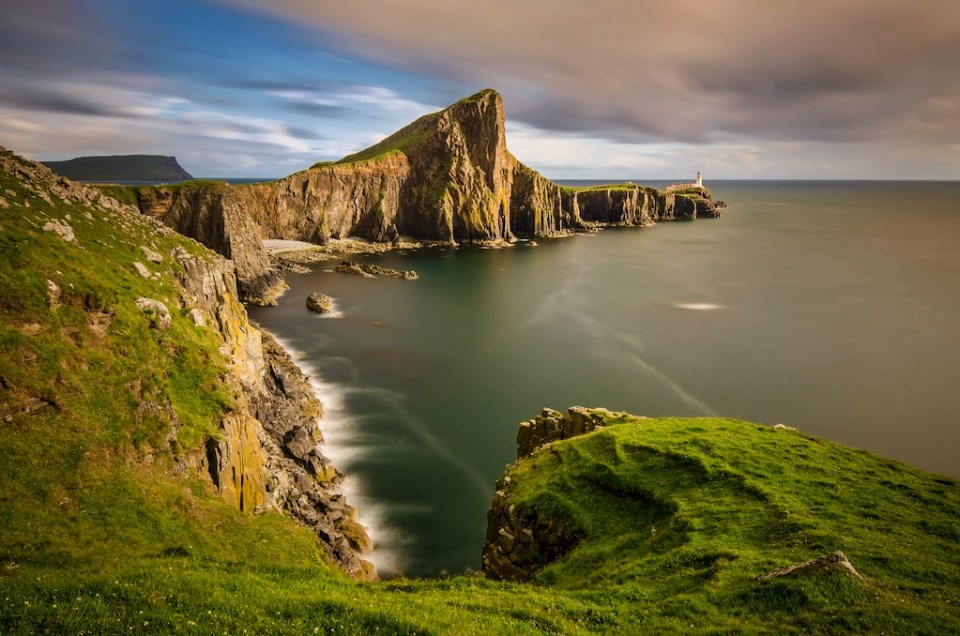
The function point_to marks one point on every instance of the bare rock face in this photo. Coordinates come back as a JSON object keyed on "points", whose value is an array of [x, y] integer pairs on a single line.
{"points": [[520, 543], [446, 177], [552, 425], [268, 455], [336, 201], [217, 216], [303, 481], [538, 205]]}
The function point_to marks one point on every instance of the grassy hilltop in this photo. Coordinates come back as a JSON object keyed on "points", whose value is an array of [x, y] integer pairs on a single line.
{"points": [[668, 523]]}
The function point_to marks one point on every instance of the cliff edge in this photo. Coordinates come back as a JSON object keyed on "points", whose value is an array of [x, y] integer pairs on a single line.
{"points": [[127, 344], [447, 177]]}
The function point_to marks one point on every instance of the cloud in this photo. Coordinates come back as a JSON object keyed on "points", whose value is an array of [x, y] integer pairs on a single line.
{"points": [[686, 70]]}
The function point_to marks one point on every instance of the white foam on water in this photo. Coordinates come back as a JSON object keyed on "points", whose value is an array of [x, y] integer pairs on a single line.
{"points": [[698, 306], [338, 430]]}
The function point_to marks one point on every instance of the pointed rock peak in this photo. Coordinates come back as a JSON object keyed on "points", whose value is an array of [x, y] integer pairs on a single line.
{"points": [[483, 110], [485, 100], [487, 94]]}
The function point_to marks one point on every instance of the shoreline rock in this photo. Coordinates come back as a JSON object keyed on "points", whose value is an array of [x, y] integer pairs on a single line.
{"points": [[367, 270], [320, 303]]}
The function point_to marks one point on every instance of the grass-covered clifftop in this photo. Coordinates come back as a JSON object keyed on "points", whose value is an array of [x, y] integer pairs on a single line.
{"points": [[103, 530], [677, 520]]}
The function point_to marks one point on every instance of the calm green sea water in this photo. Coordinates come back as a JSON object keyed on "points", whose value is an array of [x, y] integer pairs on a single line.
{"points": [[832, 307]]}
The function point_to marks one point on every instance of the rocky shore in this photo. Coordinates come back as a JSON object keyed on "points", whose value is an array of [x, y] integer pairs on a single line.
{"points": [[265, 454]]}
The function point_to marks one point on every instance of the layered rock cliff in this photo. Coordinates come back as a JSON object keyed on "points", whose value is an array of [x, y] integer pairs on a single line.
{"points": [[446, 177], [269, 455], [209, 395]]}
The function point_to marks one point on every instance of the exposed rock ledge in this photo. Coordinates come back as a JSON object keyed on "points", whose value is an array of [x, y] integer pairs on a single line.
{"points": [[553, 425]]}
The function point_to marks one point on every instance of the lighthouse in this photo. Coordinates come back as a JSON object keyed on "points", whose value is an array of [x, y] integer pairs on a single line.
{"points": [[699, 180]]}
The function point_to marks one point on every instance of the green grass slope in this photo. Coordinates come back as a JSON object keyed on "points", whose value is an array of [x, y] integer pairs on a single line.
{"points": [[677, 519], [399, 142], [101, 533]]}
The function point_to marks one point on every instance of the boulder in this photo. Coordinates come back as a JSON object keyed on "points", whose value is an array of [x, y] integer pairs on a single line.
{"points": [[61, 229], [141, 269], [161, 318], [150, 255], [320, 303]]}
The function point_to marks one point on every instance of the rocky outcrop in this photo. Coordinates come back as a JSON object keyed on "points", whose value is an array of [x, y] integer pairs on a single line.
{"points": [[552, 425], [269, 455], [446, 177], [303, 481], [538, 205], [219, 217], [320, 303], [369, 270], [522, 540]]}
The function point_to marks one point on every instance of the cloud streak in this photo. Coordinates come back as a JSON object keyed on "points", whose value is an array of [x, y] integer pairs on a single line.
{"points": [[607, 89], [684, 70]]}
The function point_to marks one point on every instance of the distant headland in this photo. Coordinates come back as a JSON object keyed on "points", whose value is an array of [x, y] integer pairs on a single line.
{"points": [[121, 168]]}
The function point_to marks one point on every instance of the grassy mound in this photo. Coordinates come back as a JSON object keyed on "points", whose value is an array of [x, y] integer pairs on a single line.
{"points": [[677, 519]]}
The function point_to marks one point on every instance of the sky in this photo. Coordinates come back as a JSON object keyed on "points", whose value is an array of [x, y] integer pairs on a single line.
{"points": [[606, 89]]}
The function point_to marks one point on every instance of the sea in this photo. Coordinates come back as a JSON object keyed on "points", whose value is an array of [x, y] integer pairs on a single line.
{"points": [[832, 307]]}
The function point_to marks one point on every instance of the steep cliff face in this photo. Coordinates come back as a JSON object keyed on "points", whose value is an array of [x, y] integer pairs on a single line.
{"points": [[160, 352], [268, 453], [221, 218], [446, 177], [336, 201], [539, 206], [459, 186]]}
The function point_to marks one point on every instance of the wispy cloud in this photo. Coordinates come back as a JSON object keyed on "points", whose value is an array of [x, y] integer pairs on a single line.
{"points": [[834, 71]]}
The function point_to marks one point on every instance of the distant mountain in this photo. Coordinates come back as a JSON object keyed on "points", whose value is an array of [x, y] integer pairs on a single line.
{"points": [[121, 168]]}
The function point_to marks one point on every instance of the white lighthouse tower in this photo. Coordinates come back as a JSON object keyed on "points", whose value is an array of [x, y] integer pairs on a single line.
{"points": [[699, 180]]}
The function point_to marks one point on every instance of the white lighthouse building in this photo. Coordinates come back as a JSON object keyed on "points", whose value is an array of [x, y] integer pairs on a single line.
{"points": [[699, 180]]}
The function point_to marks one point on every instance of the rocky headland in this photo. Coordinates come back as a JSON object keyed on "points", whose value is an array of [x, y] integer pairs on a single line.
{"points": [[446, 178]]}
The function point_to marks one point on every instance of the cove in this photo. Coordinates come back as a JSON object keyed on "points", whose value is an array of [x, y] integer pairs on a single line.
{"points": [[826, 306]]}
